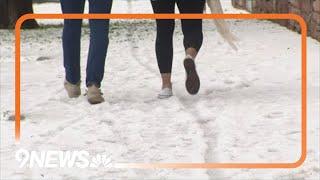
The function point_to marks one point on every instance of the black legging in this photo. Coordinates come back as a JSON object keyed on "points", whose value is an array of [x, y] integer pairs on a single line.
{"points": [[192, 29]]}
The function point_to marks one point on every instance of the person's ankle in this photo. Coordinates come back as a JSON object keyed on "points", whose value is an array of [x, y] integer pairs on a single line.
{"points": [[74, 84], [91, 84], [167, 85]]}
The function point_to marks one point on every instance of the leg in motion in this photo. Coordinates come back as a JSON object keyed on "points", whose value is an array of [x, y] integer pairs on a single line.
{"points": [[99, 40], [193, 38], [71, 39], [164, 44]]}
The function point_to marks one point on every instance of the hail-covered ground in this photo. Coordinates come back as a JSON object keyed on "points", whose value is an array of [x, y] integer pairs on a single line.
{"points": [[248, 108]]}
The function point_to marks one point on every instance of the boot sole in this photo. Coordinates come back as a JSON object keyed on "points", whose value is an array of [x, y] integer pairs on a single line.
{"points": [[192, 80], [94, 101]]}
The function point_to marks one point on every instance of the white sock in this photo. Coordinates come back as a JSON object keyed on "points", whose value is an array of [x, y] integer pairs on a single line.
{"points": [[188, 56]]}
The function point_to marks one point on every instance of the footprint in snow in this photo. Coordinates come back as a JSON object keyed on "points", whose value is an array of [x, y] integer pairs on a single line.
{"points": [[228, 81], [217, 89], [274, 115], [272, 150], [108, 122], [293, 132], [43, 58], [243, 85]]}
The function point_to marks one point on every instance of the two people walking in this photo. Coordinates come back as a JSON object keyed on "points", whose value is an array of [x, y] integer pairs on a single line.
{"points": [[99, 30]]}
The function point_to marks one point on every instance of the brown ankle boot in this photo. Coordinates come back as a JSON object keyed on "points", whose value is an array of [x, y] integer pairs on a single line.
{"points": [[73, 90], [94, 95]]}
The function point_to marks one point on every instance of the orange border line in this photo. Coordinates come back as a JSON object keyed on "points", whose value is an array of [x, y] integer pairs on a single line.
{"points": [[295, 17]]}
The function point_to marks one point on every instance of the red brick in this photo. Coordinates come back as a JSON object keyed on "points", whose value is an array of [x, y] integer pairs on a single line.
{"points": [[295, 3], [242, 3], [265, 6], [234, 3], [282, 6], [294, 10], [316, 17], [315, 30], [257, 6], [316, 6], [292, 24], [307, 6]]}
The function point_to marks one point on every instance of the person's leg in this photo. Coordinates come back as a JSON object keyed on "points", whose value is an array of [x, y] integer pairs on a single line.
{"points": [[164, 44], [192, 29], [99, 40], [193, 38], [71, 40]]}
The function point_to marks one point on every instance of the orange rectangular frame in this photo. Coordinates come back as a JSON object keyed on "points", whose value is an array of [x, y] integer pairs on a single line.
{"points": [[295, 17]]}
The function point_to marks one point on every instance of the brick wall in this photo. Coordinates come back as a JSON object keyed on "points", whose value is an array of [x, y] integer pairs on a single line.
{"points": [[308, 9]]}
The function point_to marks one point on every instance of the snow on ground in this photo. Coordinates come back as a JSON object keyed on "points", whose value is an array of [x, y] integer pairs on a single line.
{"points": [[248, 109]]}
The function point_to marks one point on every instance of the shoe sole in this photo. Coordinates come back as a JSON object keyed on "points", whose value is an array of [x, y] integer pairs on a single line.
{"points": [[192, 80], [164, 97], [95, 101]]}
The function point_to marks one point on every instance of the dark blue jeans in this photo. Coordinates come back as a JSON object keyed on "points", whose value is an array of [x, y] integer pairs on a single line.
{"points": [[99, 30]]}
